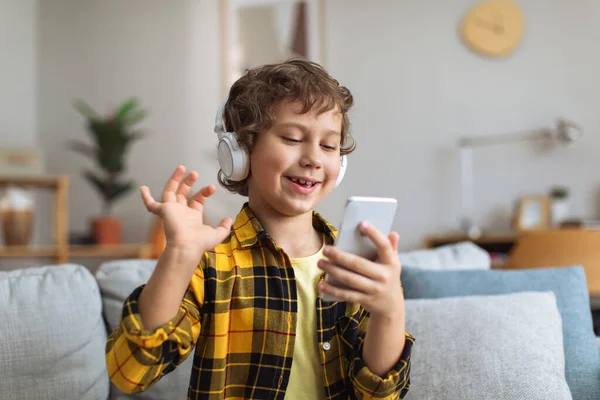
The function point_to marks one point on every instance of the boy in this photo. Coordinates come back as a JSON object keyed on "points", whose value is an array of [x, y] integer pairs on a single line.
{"points": [[245, 294]]}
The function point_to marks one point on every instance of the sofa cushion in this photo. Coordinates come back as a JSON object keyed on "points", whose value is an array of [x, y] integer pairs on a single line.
{"points": [[117, 279], [503, 346], [462, 255], [53, 334], [582, 358]]}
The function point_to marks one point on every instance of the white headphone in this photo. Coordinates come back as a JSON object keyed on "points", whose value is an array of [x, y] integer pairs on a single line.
{"points": [[233, 158]]}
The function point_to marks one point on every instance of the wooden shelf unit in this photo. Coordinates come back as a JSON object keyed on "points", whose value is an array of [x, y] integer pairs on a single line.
{"points": [[498, 238], [60, 251], [29, 251], [119, 251]]}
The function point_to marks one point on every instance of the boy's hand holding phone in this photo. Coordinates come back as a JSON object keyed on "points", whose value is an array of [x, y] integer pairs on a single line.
{"points": [[373, 284]]}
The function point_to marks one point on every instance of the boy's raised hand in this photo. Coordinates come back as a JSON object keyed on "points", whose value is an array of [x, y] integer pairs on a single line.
{"points": [[182, 218], [373, 284]]}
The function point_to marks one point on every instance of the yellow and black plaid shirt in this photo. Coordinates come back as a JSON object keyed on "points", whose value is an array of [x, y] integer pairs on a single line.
{"points": [[240, 314]]}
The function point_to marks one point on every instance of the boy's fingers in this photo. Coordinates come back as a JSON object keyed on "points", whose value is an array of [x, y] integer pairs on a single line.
{"points": [[173, 183], [151, 205], [381, 241], [349, 279], [394, 240], [226, 223], [185, 186], [348, 295], [223, 230], [198, 199], [352, 262]]}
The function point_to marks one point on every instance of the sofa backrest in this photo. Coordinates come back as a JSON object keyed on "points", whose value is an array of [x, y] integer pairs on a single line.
{"points": [[117, 279]]}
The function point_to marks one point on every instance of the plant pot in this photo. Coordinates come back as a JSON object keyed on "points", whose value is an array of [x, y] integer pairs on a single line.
{"points": [[106, 230], [17, 227]]}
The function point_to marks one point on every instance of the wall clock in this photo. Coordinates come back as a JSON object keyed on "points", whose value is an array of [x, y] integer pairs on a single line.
{"points": [[493, 28]]}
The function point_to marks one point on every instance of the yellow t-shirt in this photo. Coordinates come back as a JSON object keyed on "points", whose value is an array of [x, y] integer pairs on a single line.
{"points": [[306, 376]]}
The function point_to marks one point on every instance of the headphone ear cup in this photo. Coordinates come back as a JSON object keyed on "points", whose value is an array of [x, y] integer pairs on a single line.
{"points": [[233, 160], [343, 165]]}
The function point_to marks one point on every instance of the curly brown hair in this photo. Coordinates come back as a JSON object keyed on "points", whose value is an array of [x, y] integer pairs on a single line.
{"points": [[253, 98]]}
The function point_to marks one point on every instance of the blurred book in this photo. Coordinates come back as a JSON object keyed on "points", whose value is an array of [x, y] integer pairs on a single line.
{"points": [[582, 223], [497, 260]]}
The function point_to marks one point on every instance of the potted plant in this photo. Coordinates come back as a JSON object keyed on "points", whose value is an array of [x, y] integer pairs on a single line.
{"points": [[559, 208], [112, 136]]}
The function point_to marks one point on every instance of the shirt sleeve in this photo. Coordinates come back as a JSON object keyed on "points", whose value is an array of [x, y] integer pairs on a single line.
{"points": [[367, 385], [136, 358]]}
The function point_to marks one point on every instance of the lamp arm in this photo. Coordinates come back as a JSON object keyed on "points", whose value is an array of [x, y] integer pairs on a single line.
{"points": [[502, 138]]}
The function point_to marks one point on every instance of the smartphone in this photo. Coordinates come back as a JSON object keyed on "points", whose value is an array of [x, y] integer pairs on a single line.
{"points": [[379, 212]]}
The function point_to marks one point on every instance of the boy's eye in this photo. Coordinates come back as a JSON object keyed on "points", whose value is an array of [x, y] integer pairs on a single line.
{"points": [[329, 147], [291, 140]]}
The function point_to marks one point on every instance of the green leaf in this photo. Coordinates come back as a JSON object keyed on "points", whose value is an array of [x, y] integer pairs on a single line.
{"points": [[81, 148], [109, 190], [111, 141], [118, 190], [85, 109], [97, 183], [134, 117], [134, 136], [125, 108]]}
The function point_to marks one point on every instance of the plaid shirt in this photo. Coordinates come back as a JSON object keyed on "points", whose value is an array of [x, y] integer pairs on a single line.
{"points": [[240, 312]]}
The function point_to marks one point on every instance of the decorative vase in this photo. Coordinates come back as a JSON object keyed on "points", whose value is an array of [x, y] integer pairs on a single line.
{"points": [[559, 211], [157, 238], [17, 227], [106, 230], [17, 216]]}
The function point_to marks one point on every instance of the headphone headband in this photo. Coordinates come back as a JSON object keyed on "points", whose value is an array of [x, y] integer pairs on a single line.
{"points": [[219, 124]]}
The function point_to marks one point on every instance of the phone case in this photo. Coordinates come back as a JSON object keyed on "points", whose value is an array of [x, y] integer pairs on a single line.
{"points": [[378, 211]]}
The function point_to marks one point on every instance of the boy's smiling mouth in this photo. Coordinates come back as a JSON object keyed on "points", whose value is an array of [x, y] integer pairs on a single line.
{"points": [[303, 185], [303, 180]]}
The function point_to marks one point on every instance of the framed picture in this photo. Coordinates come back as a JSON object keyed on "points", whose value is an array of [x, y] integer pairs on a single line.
{"points": [[533, 213], [257, 32], [21, 161]]}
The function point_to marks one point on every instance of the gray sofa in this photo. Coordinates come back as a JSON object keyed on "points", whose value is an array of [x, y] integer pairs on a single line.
{"points": [[55, 320]]}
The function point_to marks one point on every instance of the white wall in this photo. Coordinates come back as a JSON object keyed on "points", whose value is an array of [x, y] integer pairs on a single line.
{"points": [[18, 80], [19, 97], [417, 89], [105, 51]]}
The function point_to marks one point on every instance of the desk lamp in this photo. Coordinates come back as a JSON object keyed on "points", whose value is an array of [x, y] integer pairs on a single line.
{"points": [[564, 132]]}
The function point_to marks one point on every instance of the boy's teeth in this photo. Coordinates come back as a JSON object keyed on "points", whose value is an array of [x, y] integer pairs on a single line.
{"points": [[302, 182]]}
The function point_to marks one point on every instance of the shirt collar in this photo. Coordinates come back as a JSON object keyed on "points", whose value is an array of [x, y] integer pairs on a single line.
{"points": [[248, 229]]}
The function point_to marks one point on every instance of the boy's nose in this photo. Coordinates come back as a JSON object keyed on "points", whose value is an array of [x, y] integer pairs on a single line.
{"points": [[311, 161]]}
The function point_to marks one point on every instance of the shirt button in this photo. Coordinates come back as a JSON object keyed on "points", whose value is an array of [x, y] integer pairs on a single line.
{"points": [[326, 346]]}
